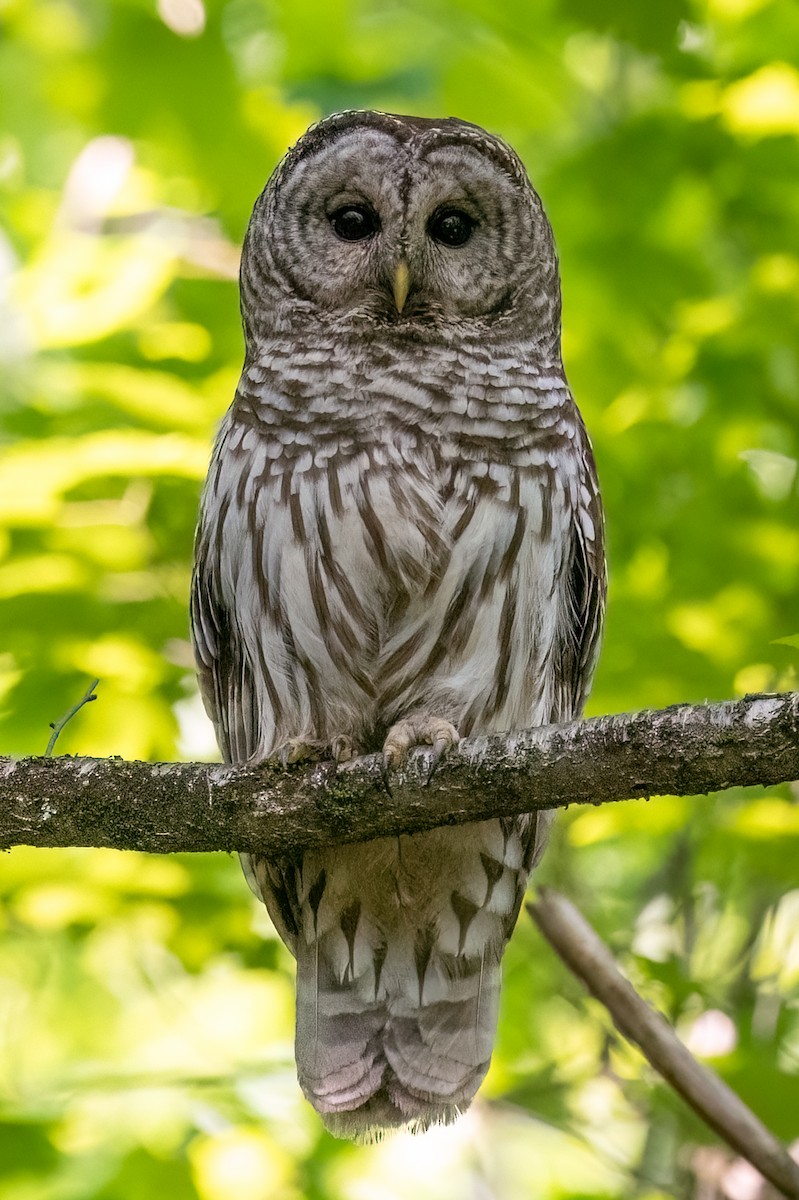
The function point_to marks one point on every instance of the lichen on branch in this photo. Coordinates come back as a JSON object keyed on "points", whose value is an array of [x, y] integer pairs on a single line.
{"points": [[166, 807]]}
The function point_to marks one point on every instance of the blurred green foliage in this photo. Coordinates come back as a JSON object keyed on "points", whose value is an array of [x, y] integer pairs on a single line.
{"points": [[145, 1006]]}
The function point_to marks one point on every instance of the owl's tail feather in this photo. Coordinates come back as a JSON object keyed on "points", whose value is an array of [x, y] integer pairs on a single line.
{"points": [[369, 1067]]}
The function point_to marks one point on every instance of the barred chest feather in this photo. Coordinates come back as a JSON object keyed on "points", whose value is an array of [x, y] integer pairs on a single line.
{"points": [[383, 572]]}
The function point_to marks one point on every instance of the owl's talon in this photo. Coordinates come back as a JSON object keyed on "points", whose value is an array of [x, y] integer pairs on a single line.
{"points": [[305, 750], [342, 749], [440, 748], [298, 750], [419, 730]]}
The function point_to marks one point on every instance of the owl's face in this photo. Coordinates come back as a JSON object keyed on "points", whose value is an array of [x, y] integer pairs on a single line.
{"points": [[400, 221]]}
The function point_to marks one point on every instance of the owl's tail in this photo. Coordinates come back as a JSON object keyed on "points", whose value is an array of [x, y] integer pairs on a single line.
{"points": [[398, 970], [414, 1057]]}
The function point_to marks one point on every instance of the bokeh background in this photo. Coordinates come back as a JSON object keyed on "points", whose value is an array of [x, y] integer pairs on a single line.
{"points": [[145, 1003]]}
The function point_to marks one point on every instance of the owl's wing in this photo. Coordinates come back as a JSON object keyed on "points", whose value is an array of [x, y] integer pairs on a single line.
{"points": [[229, 695], [578, 637], [220, 670], [586, 585]]}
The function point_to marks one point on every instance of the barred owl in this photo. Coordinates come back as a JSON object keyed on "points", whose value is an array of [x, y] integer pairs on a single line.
{"points": [[400, 543]]}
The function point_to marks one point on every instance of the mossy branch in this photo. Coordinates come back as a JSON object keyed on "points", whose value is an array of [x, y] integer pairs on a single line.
{"points": [[163, 807]]}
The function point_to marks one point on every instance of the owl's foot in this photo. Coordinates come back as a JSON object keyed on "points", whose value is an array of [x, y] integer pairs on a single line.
{"points": [[302, 750], [419, 729]]}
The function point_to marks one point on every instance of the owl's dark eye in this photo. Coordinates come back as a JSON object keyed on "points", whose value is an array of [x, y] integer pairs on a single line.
{"points": [[451, 226], [354, 222]]}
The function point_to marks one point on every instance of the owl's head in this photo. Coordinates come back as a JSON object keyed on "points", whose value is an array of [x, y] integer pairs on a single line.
{"points": [[412, 223]]}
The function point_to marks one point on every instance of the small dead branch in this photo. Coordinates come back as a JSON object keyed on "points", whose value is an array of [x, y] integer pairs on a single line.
{"points": [[588, 957], [58, 725]]}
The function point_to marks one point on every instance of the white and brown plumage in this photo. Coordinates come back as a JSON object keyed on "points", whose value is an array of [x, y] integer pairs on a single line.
{"points": [[400, 541]]}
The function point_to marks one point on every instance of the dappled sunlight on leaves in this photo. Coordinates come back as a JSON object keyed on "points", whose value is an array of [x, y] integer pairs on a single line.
{"points": [[99, 287], [776, 958], [765, 103], [232, 1162], [34, 479]]}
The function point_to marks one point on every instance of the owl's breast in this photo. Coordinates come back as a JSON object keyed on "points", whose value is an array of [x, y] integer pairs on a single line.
{"points": [[366, 580], [459, 569], [404, 518]]}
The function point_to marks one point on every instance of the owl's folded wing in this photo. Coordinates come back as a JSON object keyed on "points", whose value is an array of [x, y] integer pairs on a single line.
{"points": [[228, 691], [580, 633]]}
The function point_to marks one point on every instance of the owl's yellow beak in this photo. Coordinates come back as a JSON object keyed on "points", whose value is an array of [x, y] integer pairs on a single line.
{"points": [[402, 281]]}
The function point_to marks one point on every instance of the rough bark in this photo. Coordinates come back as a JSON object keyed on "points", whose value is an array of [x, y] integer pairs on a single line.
{"points": [[166, 807]]}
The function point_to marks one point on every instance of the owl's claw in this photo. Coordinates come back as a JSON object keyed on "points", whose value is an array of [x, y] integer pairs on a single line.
{"points": [[419, 730], [297, 750], [343, 748], [301, 750]]}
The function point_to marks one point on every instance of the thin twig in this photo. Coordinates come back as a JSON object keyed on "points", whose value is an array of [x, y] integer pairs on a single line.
{"points": [[58, 725], [588, 957]]}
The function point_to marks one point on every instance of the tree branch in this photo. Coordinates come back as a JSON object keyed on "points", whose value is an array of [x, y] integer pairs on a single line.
{"points": [[583, 951], [166, 807]]}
